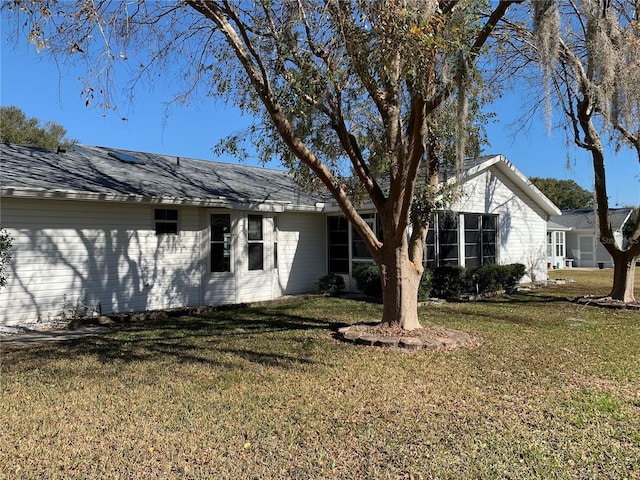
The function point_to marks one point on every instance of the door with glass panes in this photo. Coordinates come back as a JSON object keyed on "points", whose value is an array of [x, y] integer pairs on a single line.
{"points": [[220, 286]]}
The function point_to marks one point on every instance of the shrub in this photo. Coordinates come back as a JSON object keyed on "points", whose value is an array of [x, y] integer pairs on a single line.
{"points": [[367, 277], [331, 284], [484, 278], [515, 272], [493, 277], [6, 242], [448, 281], [424, 290]]}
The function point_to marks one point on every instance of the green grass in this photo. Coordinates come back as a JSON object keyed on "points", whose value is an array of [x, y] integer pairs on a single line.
{"points": [[553, 391]]}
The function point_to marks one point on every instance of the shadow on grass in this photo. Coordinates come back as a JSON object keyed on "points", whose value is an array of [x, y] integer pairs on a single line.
{"points": [[227, 338]]}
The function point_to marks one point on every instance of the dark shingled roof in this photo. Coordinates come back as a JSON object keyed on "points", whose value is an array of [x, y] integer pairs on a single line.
{"points": [[97, 170], [584, 219]]}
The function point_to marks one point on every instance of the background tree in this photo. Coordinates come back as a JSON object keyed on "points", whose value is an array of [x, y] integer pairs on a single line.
{"points": [[566, 194], [16, 128], [351, 95], [589, 55]]}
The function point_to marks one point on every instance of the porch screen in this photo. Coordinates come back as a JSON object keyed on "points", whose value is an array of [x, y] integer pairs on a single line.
{"points": [[448, 239], [338, 232], [479, 239], [221, 242]]}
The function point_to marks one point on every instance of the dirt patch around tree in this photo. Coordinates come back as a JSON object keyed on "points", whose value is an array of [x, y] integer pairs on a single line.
{"points": [[430, 338], [607, 302]]}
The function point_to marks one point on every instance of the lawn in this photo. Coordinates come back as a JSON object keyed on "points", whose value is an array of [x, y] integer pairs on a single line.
{"points": [[552, 391]]}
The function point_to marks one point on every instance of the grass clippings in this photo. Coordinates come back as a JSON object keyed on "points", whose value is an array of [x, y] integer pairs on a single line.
{"points": [[553, 391]]}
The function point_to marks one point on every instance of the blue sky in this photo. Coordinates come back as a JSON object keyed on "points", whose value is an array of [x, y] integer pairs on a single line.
{"points": [[48, 91]]}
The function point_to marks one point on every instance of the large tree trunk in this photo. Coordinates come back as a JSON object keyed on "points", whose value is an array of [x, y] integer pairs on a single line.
{"points": [[400, 283], [624, 271]]}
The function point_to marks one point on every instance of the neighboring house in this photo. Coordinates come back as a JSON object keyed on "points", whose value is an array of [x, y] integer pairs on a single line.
{"points": [[136, 231], [572, 238]]}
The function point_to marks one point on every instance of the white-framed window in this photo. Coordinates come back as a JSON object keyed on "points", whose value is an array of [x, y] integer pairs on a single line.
{"points": [[560, 244], [166, 221], [220, 242], [255, 242], [276, 227]]}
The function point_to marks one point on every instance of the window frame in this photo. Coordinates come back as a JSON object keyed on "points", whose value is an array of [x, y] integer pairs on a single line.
{"points": [[256, 244], [226, 242], [160, 224]]}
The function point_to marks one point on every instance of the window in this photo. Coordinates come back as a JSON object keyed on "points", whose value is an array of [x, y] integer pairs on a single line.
{"points": [[559, 244], [275, 242], [255, 242], [479, 239], [430, 243], [447, 239], [166, 221], [358, 247], [221, 242], [338, 232]]}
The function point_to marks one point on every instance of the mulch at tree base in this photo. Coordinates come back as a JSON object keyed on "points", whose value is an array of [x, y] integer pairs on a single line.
{"points": [[431, 338], [606, 302]]}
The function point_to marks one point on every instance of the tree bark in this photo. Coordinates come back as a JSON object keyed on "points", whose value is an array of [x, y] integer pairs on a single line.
{"points": [[400, 282], [624, 271]]}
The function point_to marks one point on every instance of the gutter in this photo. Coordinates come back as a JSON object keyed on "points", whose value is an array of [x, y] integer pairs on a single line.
{"points": [[217, 202]]}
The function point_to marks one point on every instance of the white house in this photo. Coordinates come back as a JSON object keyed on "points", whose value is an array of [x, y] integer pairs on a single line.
{"points": [[135, 231], [573, 240]]}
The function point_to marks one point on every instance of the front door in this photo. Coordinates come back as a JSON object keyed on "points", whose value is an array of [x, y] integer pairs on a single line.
{"points": [[585, 245], [220, 284]]}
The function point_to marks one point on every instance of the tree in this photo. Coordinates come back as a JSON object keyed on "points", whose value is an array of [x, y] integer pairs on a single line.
{"points": [[16, 128], [368, 99], [566, 194], [589, 55]]}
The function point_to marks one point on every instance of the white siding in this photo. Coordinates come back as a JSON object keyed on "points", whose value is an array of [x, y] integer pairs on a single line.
{"points": [[522, 225], [108, 251], [302, 251]]}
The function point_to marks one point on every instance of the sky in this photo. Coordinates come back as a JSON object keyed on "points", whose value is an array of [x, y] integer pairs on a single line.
{"points": [[52, 92]]}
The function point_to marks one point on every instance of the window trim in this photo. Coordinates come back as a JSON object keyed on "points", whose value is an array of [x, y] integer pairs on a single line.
{"points": [[166, 221], [255, 242], [224, 240]]}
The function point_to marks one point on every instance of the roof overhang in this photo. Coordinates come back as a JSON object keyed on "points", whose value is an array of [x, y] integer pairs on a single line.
{"points": [[220, 202]]}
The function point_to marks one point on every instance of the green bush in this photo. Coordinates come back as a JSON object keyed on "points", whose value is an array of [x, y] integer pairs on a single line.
{"points": [[493, 277], [331, 284], [451, 281], [6, 241], [367, 277], [484, 278], [515, 272], [424, 290], [448, 281]]}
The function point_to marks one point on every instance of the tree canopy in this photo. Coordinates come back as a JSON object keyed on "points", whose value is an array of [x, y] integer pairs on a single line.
{"points": [[566, 194], [371, 100], [588, 53], [16, 127]]}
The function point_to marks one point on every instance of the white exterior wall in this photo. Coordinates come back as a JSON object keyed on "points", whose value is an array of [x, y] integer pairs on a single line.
{"points": [[108, 251], [302, 251], [522, 225]]}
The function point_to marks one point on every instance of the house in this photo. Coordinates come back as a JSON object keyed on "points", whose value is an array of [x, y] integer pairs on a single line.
{"points": [[135, 231], [572, 238]]}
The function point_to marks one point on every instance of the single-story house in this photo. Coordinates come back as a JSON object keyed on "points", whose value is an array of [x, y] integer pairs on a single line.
{"points": [[572, 238], [135, 231]]}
